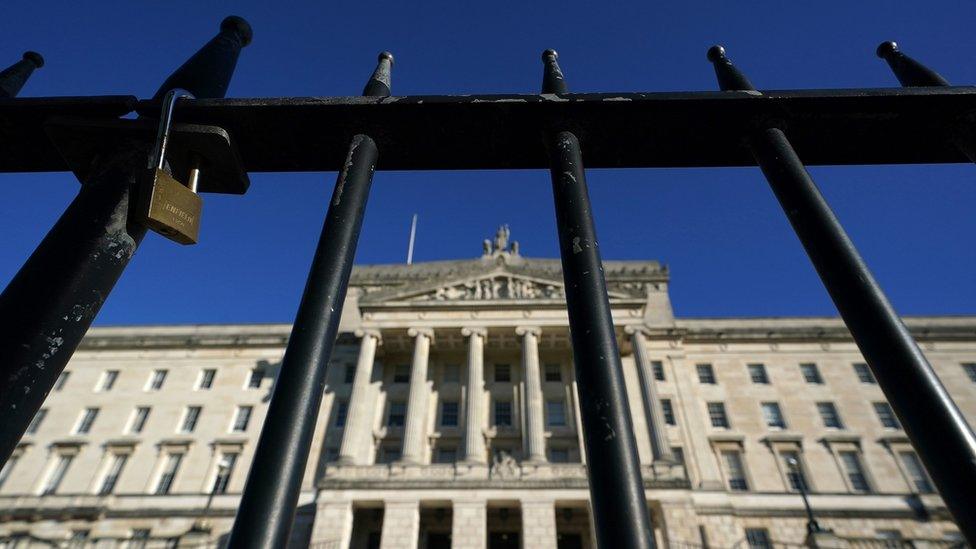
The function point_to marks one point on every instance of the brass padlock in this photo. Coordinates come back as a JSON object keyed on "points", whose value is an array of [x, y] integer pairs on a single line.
{"points": [[169, 207]]}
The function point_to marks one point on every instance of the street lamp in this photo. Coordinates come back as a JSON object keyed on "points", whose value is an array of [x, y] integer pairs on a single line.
{"points": [[812, 525]]}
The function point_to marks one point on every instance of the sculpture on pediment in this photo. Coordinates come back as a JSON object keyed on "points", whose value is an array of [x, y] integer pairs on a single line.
{"points": [[503, 465], [499, 287], [501, 238]]}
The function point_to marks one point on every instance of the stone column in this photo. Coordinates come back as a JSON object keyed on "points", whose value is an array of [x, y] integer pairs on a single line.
{"points": [[415, 429], [539, 524], [333, 524], [469, 528], [474, 440], [534, 421], [360, 415], [660, 448], [401, 525]]}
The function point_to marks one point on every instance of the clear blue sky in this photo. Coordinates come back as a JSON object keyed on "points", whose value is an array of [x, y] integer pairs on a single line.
{"points": [[729, 247]]}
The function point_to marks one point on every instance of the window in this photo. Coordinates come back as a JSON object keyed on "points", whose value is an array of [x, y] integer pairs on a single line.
{"points": [[503, 373], [555, 413], [112, 474], [8, 468], [331, 454], [554, 372], [388, 454], [829, 415], [168, 475], [78, 539], [705, 374], [658, 367], [447, 454], [735, 472], [864, 374], [773, 415], [62, 379], [342, 412], [559, 455], [86, 421], [139, 539], [349, 373], [139, 419], [452, 373], [811, 373], [757, 372], [970, 369], [108, 380], [57, 473], [242, 418], [449, 414], [397, 415], [225, 468], [854, 471], [156, 380], [892, 538], [667, 410], [679, 454], [36, 421], [886, 415], [794, 473], [716, 413], [503, 413], [401, 373], [190, 417], [255, 379], [206, 379], [758, 538], [913, 466]]}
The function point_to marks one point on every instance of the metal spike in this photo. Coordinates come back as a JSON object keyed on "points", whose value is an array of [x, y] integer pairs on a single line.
{"points": [[207, 73], [729, 77], [909, 72], [552, 77], [379, 84], [13, 78]]}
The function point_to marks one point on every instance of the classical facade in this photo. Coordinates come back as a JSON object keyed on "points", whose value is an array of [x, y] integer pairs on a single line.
{"points": [[451, 419]]}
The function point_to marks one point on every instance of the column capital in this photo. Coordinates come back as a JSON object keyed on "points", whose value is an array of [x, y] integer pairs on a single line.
{"points": [[369, 332], [526, 330], [417, 332], [468, 331], [633, 329]]}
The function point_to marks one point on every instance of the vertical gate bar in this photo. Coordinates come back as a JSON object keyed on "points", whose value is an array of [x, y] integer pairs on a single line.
{"points": [[619, 505], [48, 306], [13, 78], [936, 427], [270, 497]]}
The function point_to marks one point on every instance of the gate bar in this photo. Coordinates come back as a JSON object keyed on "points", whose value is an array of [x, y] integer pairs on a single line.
{"points": [[619, 506], [936, 427], [267, 508], [48, 306], [13, 78]]}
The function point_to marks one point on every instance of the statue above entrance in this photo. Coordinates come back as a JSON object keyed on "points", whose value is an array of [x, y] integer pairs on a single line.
{"points": [[500, 245]]}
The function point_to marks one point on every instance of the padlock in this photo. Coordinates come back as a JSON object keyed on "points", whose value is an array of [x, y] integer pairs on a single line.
{"points": [[169, 207]]}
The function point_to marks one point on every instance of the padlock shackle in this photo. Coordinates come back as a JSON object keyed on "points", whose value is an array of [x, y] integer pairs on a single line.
{"points": [[165, 121]]}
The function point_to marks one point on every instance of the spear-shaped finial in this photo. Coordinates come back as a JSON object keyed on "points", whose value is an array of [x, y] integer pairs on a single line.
{"points": [[729, 77], [379, 85], [552, 76], [908, 71], [207, 73], [13, 78]]}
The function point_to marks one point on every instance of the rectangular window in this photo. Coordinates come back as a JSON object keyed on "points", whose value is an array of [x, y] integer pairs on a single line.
{"points": [[559, 455], [449, 414], [829, 415], [811, 374], [401, 373], [554, 372], [886, 415], [854, 471], [773, 415], [113, 473], [913, 466], [255, 379], [555, 413], [794, 471], [757, 372], [170, 468], [679, 454], [503, 373], [108, 380], [86, 421], [758, 538], [78, 539], [139, 539], [62, 379], [342, 412], [36, 421], [8, 468], [206, 379], [735, 472], [864, 374], [331, 454], [716, 413], [57, 474], [667, 410], [388, 454], [224, 471], [349, 373], [970, 369], [447, 454], [452, 373], [503, 413], [658, 367], [156, 380], [139, 419], [705, 374], [397, 415], [190, 417], [243, 418]]}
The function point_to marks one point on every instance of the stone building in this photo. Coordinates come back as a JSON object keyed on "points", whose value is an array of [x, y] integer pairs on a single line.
{"points": [[450, 417]]}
